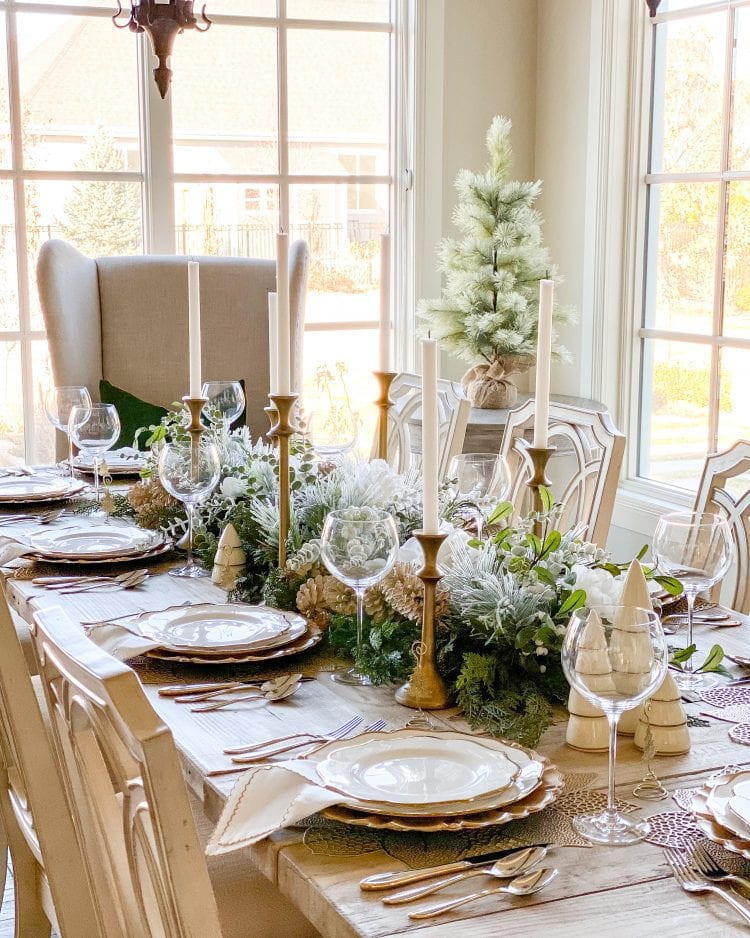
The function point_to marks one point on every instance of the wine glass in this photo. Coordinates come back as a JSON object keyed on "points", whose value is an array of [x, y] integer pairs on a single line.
{"points": [[189, 472], [615, 657], [226, 397], [480, 481], [58, 403], [697, 549], [94, 430], [359, 546], [332, 431]]}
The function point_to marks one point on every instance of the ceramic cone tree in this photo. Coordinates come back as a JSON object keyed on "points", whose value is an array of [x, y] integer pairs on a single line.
{"points": [[588, 727], [634, 593], [666, 717], [230, 559]]}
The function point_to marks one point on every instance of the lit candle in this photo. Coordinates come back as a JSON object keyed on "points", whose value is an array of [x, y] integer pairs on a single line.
{"points": [[543, 353], [273, 342], [385, 303], [283, 343], [194, 328], [430, 522]]}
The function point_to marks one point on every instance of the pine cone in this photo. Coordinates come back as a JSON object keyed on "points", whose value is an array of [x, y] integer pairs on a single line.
{"points": [[311, 600], [404, 592], [376, 605], [339, 597]]}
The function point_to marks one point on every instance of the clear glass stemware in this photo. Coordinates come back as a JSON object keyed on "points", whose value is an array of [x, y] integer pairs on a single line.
{"points": [[480, 481], [697, 549], [615, 657], [94, 430], [225, 398], [58, 403], [189, 472], [359, 546]]}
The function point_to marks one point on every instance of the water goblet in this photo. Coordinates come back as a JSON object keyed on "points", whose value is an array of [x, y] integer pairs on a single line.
{"points": [[189, 471], [615, 657], [225, 398], [332, 431], [94, 430], [358, 546], [58, 403], [697, 549], [480, 481]]}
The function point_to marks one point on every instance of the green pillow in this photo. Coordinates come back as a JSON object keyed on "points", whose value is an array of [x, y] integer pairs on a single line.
{"points": [[134, 413]]}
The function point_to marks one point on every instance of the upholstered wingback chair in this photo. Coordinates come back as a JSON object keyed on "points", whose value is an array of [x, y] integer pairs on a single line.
{"points": [[124, 319]]}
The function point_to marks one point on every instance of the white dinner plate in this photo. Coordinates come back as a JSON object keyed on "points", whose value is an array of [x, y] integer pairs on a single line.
{"points": [[100, 542], [222, 628], [417, 769], [125, 461], [31, 488], [724, 801]]}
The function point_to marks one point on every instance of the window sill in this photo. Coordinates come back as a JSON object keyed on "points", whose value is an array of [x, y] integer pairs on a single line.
{"points": [[640, 504]]}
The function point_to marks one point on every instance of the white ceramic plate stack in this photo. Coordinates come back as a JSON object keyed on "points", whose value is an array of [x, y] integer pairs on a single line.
{"points": [[105, 543], [226, 633], [37, 489], [722, 811], [122, 462], [434, 781]]}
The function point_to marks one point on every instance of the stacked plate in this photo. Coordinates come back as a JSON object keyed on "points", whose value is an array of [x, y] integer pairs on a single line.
{"points": [[105, 543], [123, 462], [37, 489], [722, 811], [434, 781], [226, 633]]}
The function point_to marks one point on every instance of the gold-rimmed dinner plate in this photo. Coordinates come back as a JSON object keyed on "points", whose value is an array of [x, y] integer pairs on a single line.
{"points": [[100, 542], [164, 548], [709, 826], [16, 490], [312, 637]]}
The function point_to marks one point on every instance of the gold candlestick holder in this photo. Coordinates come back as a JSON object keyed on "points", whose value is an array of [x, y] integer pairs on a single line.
{"points": [[539, 457], [425, 689], [282, 430], [273, 416], [384, 404], [194, 406]]}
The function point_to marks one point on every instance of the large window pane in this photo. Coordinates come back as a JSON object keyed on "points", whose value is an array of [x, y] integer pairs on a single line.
{"points": [[11, 413], [79, 93], [9, 319], [225, 116], [740, 142], [240, 7], [338, 101], [737, 262], [674, 412], [370, 11], [682, 256], [689, 70], [5, 152], [734, 394], [227, 219], [43, 450], [99, 218]]}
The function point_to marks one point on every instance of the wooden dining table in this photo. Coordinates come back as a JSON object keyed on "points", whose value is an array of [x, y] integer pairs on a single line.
{"points": [[625, 891]]}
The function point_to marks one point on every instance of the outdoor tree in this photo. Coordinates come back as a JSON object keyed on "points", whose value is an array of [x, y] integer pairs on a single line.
{"points": [[103, 217]]}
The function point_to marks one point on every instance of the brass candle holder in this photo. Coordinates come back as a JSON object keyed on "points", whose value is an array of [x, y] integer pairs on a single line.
{"points": [[384, 404], [282, 430], [425, 689], [273, 416], [194, 406], [539, 457]]}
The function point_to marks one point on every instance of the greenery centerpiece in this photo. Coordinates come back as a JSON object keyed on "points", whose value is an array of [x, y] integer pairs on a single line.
{"points": [[488, 313]]}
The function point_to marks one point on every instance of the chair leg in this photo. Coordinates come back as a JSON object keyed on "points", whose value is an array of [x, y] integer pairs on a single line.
{"points": [[31, 919], [3, 862]]}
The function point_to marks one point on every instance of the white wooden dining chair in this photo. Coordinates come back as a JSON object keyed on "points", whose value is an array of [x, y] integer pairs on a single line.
{"points": [[129, 798], [404, 423], [584, 470], [50, 880], [725, 489]]}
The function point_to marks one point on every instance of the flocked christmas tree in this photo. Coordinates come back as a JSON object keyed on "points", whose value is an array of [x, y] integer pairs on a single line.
{"points": [[489, 310]]}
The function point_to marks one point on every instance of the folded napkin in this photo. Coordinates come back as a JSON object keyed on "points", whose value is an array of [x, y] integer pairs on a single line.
{"points": [[11, 549], [267, 798], [118, 640]]}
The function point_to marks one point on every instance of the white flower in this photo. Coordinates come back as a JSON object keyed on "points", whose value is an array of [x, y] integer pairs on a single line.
{"points": [[601, 588], [232, 487], [411, 552]]}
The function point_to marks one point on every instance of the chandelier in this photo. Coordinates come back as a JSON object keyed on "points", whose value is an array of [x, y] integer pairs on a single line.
{"points": [[163, 22]]}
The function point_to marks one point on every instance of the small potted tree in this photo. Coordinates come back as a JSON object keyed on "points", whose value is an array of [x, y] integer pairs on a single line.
{"points": [[489, 309]]}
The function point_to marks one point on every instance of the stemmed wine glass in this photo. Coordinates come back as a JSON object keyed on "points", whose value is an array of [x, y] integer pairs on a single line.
{"points": [[697, 549], [226, 397], [481, 479], [359, 546], [94, 430], [332, 431], [189, 472], [58, 403], [615, 657]]}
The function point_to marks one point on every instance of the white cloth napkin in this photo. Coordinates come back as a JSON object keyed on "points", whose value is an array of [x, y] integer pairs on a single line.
{"points": [[267, 798], [11, 549], [119, 640]]}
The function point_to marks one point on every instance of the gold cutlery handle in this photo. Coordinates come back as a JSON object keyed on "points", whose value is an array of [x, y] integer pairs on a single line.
{"points": [[738, 906], [409, 895], [254, 747], [227, 703], [390, 880], [277, 750], [180, 690], [434, 910]]}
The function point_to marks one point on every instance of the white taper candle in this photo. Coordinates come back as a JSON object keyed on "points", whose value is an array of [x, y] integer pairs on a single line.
{"points": [[273, 342], [430, 437], [384, 358], [543, 356], [283, 351], [194, 328]]}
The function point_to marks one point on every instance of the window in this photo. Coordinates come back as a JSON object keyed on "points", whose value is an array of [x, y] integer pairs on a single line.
{"points": [[280, 116], [695, 328]]}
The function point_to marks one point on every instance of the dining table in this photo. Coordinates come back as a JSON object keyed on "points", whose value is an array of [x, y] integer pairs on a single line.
{"points": [[318, 866]]}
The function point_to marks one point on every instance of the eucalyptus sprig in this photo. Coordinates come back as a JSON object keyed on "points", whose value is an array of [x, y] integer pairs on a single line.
{"points": [[712, 664]]}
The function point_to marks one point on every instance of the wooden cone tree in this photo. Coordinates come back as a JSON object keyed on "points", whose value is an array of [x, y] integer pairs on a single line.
{"points": [[588, 727]]}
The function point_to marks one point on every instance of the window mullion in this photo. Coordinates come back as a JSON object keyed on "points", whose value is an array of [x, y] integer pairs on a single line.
{"points": [[156, 159], [282, 80]]}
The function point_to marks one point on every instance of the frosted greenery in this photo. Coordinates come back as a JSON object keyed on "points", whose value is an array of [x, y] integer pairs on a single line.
{"points": [[489, 308]]}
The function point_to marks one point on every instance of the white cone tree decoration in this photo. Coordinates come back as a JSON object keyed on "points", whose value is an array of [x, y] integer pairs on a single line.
{"points": [[230, 559], [634, 593], [588, 727], [666, 717]]}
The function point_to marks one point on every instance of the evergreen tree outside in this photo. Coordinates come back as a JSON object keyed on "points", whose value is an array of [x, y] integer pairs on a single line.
{"points": [[103, 217], [489, 308]]}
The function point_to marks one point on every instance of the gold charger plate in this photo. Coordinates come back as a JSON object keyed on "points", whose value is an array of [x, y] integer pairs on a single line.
{"points": [[708, 825], [312, 637], [159, 551]]}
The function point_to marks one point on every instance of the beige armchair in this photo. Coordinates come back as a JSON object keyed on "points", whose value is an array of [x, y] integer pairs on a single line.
{"points": [[124, 319]]}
